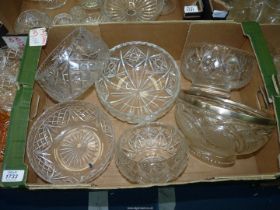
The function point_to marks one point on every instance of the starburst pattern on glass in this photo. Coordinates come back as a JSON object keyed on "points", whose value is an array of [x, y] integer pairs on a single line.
{"points": [[71, 142], [140, 83], [74, 66], [152, 153], [132, 10]]}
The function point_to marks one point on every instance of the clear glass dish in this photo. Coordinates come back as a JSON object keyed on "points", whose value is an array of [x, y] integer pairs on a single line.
{"points": [[216, 68], [169, 7], [91, 4], [31, 19], [63, 19], [151, 153], [218, 130], [73, 66], [140, 83], [9, 68], [132, 10], [70, 143]]}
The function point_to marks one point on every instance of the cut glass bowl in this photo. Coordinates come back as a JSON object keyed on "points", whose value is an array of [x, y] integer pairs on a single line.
{"points": [[63, 19], [9, 68], [132, 10], [31, 19], [218, 130], [216, 68], [70, 143], [73, 66], [140, 83], [152, 153]]}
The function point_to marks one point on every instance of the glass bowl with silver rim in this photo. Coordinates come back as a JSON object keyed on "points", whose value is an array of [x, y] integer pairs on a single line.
{"points": [[152, 153], [70, 143], [73, 66], [218, 130], [140, 83], [216, 68], [132, 10]]}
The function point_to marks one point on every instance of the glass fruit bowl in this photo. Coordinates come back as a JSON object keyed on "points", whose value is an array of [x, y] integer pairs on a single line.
{"points": [[70, 143], [73, 66], [140, 83], [132, 10], [151, 153], [216, 68], [31, 19], [218, 130]]}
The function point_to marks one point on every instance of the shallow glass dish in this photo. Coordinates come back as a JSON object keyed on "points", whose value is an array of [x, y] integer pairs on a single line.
{"points": [[31, 19], [73, 66], [218, 130], [63, 19], [132, 10], [70, 143], [216, 68], [140, 83], [91, 4], [152, 153], [9, 68]]}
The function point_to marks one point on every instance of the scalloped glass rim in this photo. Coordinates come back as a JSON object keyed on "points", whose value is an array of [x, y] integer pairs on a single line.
{"points": [[155, 115]]}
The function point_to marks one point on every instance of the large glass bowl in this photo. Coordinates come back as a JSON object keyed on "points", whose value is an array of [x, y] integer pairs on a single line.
{"points": [[140, 83], [132, 10], [73, 66], [70, 143], [216, 68], [151, 153], [218, 130], [31, 19]]}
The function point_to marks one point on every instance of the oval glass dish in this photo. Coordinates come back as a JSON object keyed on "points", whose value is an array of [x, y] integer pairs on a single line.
{"points": [[70, 143], [218, 130], [141, 82], [152, 153]]}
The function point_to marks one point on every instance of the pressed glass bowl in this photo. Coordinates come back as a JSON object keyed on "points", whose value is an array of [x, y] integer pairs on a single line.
{"points": [[132, 10], [216, 68], [9, 68], [218, 130], [73, 66], [140, 83], [151, 153], [63, 19], [70, 143], [91, 4], [31, 19]]}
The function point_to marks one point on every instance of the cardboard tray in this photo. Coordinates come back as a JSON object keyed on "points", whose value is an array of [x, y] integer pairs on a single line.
{"points": [[31, 100]]}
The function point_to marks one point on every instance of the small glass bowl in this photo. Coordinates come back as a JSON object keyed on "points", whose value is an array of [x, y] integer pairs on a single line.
{"points": [[151, 153], [31, 19], [216, 68], [140, 83], [70, 143], [130, 10], [169, 7], [73, 66], [91, 4], [218, 130], [63, 19]]}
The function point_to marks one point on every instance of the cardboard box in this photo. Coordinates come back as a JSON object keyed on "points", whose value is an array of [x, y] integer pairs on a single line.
{"points": [[172, 36]]}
